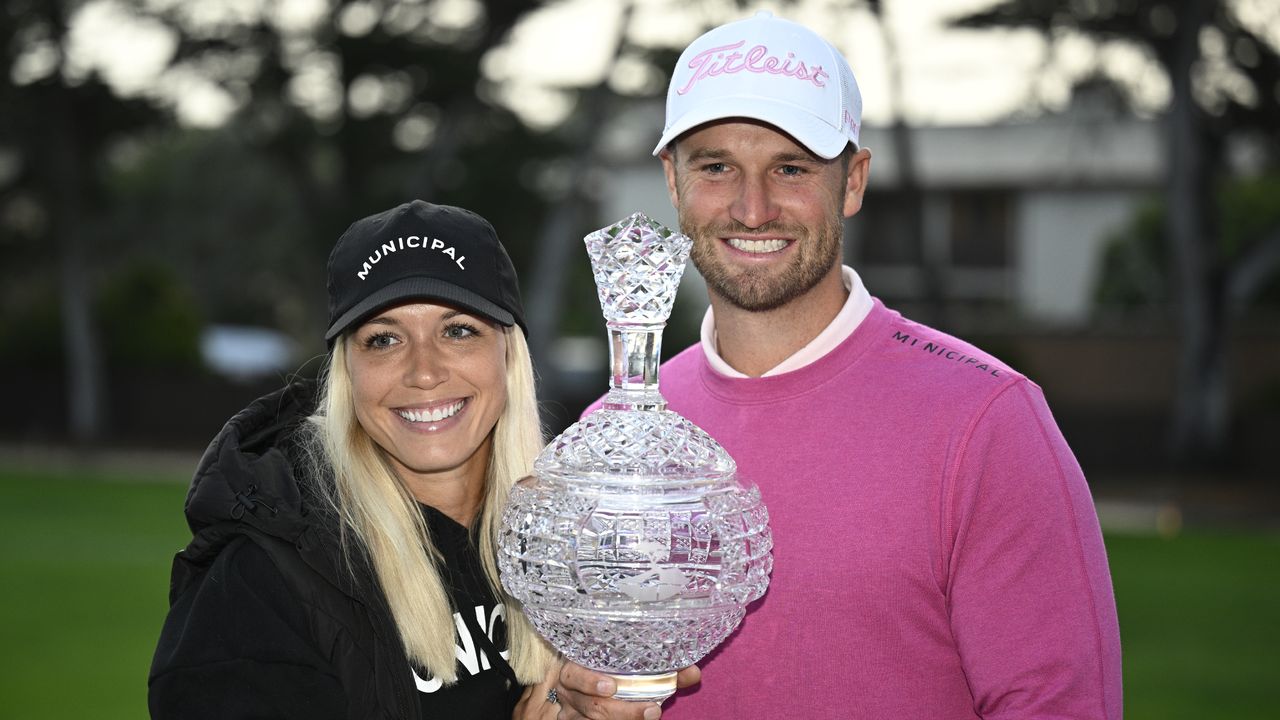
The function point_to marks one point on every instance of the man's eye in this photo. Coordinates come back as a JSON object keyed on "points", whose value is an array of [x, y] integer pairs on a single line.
{"points": [[714, 168], [792, 170]]}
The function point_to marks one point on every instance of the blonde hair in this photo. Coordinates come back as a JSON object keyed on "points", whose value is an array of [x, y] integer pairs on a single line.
{"points": [[376, 507]]}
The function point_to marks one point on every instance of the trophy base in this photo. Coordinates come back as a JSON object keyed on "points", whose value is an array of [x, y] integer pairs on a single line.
{"points": [[645, 688]]}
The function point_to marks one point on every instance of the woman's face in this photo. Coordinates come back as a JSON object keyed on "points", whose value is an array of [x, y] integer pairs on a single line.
{"points": [[429, 382]]}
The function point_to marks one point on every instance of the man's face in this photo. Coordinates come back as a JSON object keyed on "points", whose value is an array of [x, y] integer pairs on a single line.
{"points": [[765, 214]]}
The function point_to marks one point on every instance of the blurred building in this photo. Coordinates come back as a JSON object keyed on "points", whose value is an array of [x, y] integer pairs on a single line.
{"points": [[1013, 215]]}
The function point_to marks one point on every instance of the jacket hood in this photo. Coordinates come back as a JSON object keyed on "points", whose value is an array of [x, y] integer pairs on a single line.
{"points": [[250, 472]]}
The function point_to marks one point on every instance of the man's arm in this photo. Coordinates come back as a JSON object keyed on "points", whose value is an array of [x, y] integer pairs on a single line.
{"points": [[1027, 583]]}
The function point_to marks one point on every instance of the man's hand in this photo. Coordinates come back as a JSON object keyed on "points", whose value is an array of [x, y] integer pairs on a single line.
{"points": [[587, 694]]}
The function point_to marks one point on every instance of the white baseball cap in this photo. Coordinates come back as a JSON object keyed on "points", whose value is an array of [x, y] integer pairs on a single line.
{"points": [[767, 69]]}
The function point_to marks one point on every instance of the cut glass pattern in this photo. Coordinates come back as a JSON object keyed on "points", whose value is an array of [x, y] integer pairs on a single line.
{"points": [[637, 265], [633, 548]]}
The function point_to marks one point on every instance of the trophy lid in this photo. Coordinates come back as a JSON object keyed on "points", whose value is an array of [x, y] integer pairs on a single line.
{"points": [[656, 444]]}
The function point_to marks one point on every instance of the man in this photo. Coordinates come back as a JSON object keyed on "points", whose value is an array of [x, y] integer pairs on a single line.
{"points": [[937, 554]]}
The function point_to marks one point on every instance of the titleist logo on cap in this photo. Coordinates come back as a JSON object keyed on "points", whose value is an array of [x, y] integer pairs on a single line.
{"points": [[773, 71], [412, 241], [719, 61]]}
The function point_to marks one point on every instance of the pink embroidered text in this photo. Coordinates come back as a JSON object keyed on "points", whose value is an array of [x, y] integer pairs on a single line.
{"points": [[719, 61]]}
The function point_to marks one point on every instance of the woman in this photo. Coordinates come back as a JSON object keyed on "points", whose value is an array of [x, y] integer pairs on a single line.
{"points": [[343, 560]]}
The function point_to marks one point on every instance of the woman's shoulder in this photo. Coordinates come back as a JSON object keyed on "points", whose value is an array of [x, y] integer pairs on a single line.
{"points": [[250, 470], [247, 570], [271, 419]]}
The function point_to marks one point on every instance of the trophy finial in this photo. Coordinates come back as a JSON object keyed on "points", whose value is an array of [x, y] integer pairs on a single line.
{"points": [[637, 263]]}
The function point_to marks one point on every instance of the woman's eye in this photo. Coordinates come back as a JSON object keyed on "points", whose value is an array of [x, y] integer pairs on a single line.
{"points": [[380, 340], [458, 331]]}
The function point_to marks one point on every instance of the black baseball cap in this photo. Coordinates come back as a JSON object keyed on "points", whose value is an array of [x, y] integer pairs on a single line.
{"points": [[421, 251]]}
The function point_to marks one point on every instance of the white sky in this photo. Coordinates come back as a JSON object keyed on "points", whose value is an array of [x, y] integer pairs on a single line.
{"points": [[949, 76]]}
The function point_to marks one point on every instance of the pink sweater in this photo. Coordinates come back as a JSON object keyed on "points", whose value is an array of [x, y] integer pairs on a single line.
{"points": [[937, 554]]}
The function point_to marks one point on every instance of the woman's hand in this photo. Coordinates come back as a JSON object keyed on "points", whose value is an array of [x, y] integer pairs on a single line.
{"points": [[535, 703], [583, 693]]}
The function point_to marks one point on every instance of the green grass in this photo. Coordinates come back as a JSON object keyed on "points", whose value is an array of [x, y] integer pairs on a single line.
{"points": [[1199, 624], [85, 565]]}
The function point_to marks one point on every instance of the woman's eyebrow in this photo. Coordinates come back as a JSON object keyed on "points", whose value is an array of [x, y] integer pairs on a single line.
{"points": [[475, 317], [382, 320]]}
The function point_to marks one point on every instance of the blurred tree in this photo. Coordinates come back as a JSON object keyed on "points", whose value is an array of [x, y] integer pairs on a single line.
{"points": [[362, 107], [58, 124], [222, 218], [909, 188], [1223, 73], [357, 108], [1135, 270], [149, 319]]}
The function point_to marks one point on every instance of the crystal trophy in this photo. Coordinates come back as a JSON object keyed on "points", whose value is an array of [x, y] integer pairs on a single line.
{"points": [[633, 548]]}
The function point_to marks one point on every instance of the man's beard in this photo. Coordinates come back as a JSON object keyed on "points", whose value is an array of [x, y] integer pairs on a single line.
{"points": [[762, 289]]}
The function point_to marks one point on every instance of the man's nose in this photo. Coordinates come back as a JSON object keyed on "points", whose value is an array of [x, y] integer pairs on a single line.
{"points": [[754, 205]]}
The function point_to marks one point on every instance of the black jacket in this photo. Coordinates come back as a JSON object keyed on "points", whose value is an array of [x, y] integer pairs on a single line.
{"points": [[267, 619]]}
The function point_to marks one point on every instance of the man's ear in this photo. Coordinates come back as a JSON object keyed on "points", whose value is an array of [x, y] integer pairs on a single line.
{"points": [[668, 158], [855, 182]]}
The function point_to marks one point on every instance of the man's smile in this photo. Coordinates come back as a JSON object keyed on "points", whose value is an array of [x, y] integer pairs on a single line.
{"points": [[757, 246]]}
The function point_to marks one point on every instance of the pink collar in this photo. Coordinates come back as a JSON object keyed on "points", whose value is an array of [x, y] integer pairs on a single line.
{"points": [[842, 326]]}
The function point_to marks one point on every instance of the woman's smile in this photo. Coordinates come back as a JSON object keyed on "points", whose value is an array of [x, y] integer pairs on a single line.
{"points": [[434, 417]]}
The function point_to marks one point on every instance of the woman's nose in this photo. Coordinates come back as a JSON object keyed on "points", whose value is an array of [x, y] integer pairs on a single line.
{"points": [[424, 367]]}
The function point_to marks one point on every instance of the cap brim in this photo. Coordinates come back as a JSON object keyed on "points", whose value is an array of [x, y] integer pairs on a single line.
{"points": [[419, 288], [810, 131]]}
